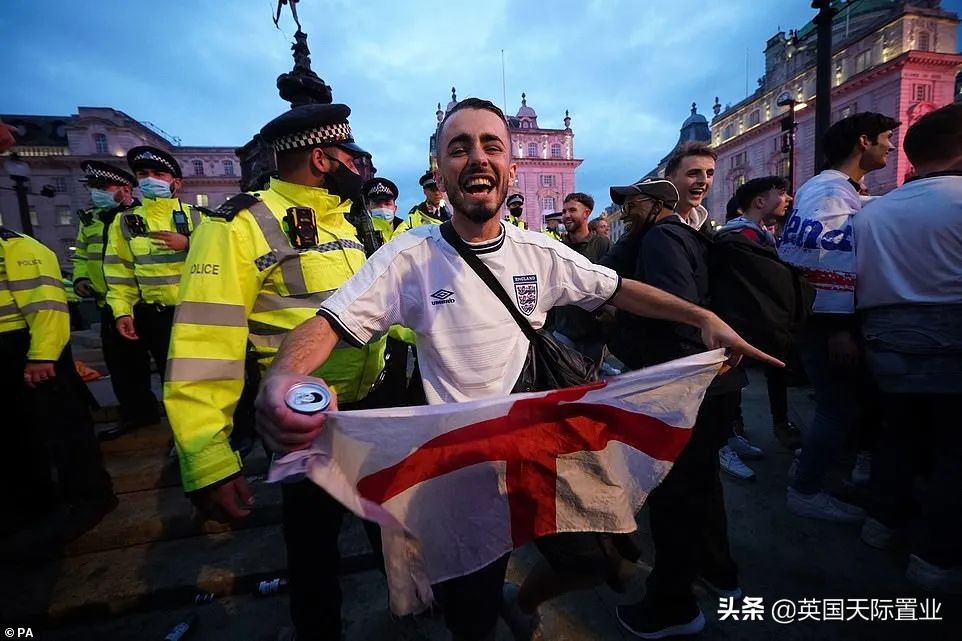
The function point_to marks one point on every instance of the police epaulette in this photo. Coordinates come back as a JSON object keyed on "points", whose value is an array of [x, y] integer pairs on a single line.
{"points": [[232, 206], [8, 234]]}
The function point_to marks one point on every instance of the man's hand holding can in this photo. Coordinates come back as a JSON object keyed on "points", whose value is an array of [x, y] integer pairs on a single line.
{"points": [[290, 410]]}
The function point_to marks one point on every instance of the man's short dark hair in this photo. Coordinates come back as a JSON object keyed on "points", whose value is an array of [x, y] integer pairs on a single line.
{"points": [[473, 103], [584, 199], [593, 224], [692, 148], [756, 187], [841, 138], [936, 136], [731, 209]]}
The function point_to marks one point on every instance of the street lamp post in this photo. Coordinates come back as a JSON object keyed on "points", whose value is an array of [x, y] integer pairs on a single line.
{"points": [[789, 125], [823, 73], [20, 174]]}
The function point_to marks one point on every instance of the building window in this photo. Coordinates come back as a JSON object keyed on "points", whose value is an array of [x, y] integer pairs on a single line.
{"points": [[754, 118], [60, 184], [923, 41], [547, 181], [34, 218], [100, 144], [556, 150], [198, 167], [848, 110], [525, 124], [740, 180], [64, 217], [228, 167], [740, 159], [783, 167], [729, 132], [201, 200], [863, 61], [532, 150], [547, 203], [922, 93]]}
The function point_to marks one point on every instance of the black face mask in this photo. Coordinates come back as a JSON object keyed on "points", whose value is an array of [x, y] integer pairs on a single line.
{"points": [[344, 183], [515, 211]]}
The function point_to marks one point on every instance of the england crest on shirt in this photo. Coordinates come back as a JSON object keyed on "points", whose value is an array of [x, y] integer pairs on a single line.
{"points": [[526, 293]]}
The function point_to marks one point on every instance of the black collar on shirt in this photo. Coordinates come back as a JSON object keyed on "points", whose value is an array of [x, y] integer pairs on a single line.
{"points": [[936, 174]]}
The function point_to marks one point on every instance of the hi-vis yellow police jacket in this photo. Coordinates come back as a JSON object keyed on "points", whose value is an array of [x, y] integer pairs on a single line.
{"points": [[516, 221], [88, 258], [32, 295], [245, 282], [419, 216], [135, 268]]}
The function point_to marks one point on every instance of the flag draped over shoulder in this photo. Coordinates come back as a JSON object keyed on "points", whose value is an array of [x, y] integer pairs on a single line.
{"points": [[456, 486]]}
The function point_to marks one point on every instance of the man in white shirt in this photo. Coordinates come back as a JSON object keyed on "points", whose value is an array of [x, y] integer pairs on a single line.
{"points": [[909, 292], [470, 346], [819, 239]]}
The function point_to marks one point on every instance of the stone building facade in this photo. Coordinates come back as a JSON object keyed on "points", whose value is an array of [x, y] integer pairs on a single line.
{"points": [[895, 57], [55, 146], [545, 158]]}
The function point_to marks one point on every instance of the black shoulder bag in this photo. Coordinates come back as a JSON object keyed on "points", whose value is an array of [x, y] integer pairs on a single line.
{"points": [[549, 365]]}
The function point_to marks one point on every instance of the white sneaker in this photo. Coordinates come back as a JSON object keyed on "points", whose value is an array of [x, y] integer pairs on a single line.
{"points": [[878, 535], [933, 578], [731, 464], [862, 472], [823, 506], [744, 449]]}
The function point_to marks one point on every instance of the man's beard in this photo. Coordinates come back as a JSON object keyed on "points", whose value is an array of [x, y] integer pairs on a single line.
{"points": [[476, 213]]}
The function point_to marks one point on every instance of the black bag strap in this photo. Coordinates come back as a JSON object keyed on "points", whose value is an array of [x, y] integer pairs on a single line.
{"points": [[451, 236]]}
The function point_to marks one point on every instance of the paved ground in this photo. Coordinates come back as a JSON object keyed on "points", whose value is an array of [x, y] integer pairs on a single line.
{"points": [[136, 575]]}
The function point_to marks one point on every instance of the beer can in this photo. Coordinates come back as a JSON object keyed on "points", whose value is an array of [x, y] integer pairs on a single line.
{"points": [[308, 398]]}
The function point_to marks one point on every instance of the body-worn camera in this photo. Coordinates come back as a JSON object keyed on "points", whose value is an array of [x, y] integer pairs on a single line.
{"points": [[301, 227], [180, 222], [136, 225]]}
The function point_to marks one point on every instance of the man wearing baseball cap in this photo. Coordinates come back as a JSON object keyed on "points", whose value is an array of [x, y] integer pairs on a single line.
{"points": [[515, 203], [432, 211], [128, 362], [688, 522]]}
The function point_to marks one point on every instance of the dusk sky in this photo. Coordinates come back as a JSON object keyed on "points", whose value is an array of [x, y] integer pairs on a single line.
{"points": [[204, 70]]}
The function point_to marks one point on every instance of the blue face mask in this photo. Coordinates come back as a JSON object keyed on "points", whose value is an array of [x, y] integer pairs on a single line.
{"points": [[154, 188], [102, 199], [383, 213]]}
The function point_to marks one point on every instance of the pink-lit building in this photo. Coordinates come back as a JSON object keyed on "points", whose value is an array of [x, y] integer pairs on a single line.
{"points": [[55, 146], [545, 158], [890, 56]]}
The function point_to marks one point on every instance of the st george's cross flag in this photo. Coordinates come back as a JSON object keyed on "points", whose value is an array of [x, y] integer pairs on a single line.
{"points": [[456, 486]]}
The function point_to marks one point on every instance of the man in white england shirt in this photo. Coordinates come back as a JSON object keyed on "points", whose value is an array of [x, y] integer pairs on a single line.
{"points": [[470, 346]]}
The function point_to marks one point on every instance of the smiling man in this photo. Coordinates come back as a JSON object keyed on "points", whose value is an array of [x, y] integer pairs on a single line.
{"points": [[691, 169], [469, 345]]}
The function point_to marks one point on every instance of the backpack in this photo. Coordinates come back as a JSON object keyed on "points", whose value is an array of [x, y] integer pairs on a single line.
{"points": [[764, 299]]}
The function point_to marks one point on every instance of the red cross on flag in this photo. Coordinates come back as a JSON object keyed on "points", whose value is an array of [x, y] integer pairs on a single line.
{"points": [[456, 486]]}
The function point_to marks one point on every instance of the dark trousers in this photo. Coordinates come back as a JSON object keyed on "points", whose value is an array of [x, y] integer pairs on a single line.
{"points": [[777, 393], [49, 426], [687, 512], [129, 365], [921, 432], [154, 325], [312, 523]]}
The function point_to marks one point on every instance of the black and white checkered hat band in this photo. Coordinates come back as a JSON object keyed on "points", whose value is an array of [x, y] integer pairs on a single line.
{"points": [[380, 189], [326, 135], [103, 174], [147, 155]]}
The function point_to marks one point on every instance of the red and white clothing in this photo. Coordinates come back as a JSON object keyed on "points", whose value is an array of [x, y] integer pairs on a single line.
{"points": [[469, 347]]}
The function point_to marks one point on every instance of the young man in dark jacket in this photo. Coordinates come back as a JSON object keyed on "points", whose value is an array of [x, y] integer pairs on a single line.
{"points": [[687, 511]]}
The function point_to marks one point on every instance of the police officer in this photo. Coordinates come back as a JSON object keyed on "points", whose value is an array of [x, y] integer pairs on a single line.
{"points": [[380, 196], [432, 211], [128, 362], [146, 250], [553, 226], [515, 205], [46, 418], [261, 265]]}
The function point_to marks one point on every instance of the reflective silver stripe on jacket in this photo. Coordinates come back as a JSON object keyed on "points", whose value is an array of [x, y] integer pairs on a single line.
{"points": [[154, 259], [33, 283], [53, 305], [279, 244], [204, 369], [114, 259], [221, 314], [116, 280], [273, 302], [158, 280]]}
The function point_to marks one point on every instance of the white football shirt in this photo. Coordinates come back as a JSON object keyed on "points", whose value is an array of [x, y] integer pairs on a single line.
{"points": [[469, 346]]}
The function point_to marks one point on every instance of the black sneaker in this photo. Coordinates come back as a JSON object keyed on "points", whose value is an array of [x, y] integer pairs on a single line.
{"points": [[788, 434], [649, 622]]}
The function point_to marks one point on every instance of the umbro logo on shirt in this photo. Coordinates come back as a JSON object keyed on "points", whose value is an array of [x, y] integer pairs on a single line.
{"points": [[442, 296]]}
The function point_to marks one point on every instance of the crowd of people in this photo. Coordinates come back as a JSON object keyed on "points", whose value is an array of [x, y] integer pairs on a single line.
{"points": [[280, 286]]}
